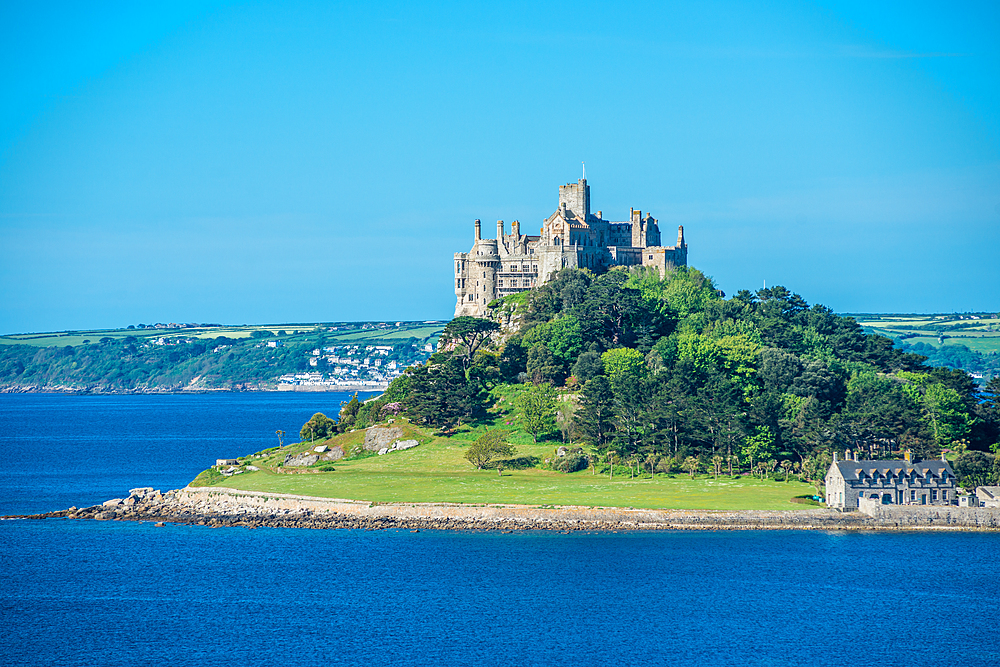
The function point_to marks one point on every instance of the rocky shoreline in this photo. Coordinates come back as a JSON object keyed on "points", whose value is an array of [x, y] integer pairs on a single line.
{"points": [[220, 507]]}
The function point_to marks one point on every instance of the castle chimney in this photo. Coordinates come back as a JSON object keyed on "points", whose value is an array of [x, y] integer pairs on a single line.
{"points": [[479, 229], [680, 236], [499, 230], [907, 456], [835, 456], [515, 227], [855, 456], [847, 455]]}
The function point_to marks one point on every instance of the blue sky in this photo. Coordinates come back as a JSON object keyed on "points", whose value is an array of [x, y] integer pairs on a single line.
{"points": [[296, 161]]}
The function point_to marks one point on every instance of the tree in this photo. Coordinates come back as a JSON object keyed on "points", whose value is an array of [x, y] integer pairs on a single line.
{"points": [[815, 468], [349, 412], [624, 365], [488, 448], [691, 465], [471, 332], [536, 409], [319, 427], [786, 465], [595, 418], [440, 394], [542, 365], [717, 462], [974, 469], [759, 446]]}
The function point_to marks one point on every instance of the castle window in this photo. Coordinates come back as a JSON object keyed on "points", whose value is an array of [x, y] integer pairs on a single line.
{"points": [[651, 257], [499, 283], [525, 268]]}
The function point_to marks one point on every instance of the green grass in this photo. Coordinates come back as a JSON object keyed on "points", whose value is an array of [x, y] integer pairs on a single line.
{"points": [[436, 471]]}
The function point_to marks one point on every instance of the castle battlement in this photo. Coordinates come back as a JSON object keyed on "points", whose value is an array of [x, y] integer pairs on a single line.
{"points": [[570, 237]]}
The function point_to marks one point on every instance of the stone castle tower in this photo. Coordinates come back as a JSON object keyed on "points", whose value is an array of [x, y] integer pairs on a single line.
{"points": [[571, 236]]}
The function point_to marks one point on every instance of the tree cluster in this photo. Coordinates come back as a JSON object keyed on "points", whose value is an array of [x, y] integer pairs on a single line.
{"points": [[670, 369]]}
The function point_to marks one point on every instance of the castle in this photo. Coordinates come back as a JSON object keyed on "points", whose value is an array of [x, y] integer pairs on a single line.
{"points": [[570, 237]]}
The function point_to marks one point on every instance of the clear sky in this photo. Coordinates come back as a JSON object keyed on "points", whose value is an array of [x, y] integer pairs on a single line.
{"points": [[270, 162]]}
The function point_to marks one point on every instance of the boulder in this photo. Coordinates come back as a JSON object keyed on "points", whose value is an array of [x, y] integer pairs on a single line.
{"points": [[320, 449], [380, 437], [114, 502], [334, 454], [405, 444], [384, 450], [301, 460]]}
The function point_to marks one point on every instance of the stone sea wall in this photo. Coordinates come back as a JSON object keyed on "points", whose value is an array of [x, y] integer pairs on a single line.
{"points": [[216, 506]]}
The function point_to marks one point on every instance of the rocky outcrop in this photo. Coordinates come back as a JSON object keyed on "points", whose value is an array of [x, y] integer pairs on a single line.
{"points": [[398, 446], [300, 460], [334, 453], [381, 437]]}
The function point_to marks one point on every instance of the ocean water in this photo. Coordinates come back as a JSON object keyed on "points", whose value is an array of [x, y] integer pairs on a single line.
{"points": [[120, 593]]}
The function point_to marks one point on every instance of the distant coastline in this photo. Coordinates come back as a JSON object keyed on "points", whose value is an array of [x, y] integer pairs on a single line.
{"points": [[105, 391]]}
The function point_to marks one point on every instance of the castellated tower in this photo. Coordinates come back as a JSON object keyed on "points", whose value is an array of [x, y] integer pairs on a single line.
{"points": [[575, 197], [570, 237]]}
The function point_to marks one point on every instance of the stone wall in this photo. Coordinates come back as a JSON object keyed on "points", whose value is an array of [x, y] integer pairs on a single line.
{"points": [[930, 515]]}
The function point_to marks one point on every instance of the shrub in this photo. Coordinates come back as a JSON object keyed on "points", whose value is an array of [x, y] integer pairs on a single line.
{"points": [[572, 462]]}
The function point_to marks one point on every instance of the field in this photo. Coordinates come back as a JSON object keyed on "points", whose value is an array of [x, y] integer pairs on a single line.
{"points": [[334, 333], [436, 471], [977, 331]]}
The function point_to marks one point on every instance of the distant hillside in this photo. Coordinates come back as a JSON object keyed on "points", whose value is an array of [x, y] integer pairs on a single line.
{"points": [[969, 341], [212, 357]]}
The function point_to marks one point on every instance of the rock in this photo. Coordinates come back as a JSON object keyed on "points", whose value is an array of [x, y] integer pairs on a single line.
{"points": [[405, 444], [159, 524], [561, 451], [301, 460], [335, 454], [320, 449], [114, 502], [379, 437], [384, 450]]}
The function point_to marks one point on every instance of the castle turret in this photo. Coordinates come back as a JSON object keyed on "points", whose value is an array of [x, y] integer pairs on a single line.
{"points": [[576, 198]]}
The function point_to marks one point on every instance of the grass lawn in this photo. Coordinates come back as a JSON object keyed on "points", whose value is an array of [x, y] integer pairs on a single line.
{"points": [[436, 471]]}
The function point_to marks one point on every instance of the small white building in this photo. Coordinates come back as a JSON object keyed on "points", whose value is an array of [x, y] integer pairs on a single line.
{"points": [[889, 482], [988, 496]]}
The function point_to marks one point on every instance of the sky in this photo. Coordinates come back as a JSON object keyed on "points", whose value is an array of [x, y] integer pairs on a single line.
{"points": [[279, 162]]}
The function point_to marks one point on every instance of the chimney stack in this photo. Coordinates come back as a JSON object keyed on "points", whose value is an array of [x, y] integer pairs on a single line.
{"points": [[907, 456], [479, 229], [499, 230]]}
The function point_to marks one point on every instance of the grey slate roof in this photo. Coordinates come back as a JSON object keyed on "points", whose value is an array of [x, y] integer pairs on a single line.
{"points": [[853, 471]]}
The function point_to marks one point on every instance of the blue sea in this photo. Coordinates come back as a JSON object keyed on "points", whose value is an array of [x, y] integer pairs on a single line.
{"points": [[121, 593]]}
